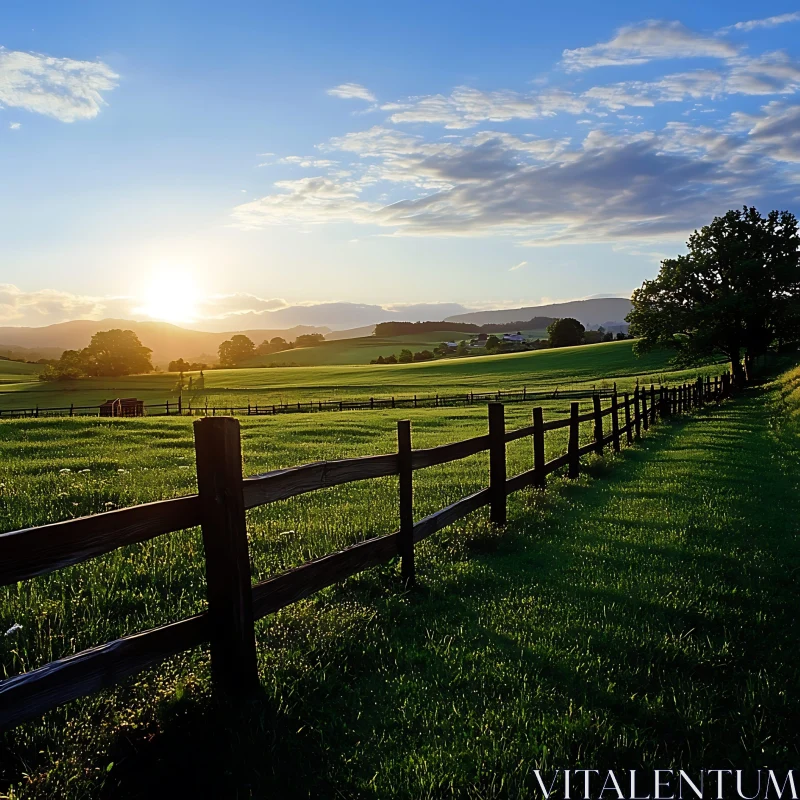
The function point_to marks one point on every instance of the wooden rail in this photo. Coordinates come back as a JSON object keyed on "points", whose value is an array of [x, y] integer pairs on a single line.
{"points": [[234, 603]]}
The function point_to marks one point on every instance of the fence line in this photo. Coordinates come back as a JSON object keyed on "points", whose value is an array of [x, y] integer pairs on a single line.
{"points": [[234, 603], [179, 408]]}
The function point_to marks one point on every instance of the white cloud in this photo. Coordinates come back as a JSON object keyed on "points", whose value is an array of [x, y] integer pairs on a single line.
{"points": [[466, 107], [352, 91], [767, 22], [62, 88], [647, 41], [776, 129], [518, 266], [44, 306], [14, 126]]}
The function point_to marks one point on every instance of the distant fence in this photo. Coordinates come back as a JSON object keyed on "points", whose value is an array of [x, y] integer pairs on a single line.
{"points": [[234, 603], [178, 408]]}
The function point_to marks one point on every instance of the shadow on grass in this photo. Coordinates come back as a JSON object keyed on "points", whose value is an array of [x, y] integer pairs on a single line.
{"points": [[642, 620]]}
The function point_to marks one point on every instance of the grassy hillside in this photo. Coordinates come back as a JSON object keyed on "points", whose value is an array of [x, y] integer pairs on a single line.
{"points": [[617, 619], [362, 350], [586, 365], [17, 371]]}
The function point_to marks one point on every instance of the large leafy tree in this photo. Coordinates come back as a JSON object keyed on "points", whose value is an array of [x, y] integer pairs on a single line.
{"points": [[736, 291], [565, 332], [236, 350], [116, 352]]}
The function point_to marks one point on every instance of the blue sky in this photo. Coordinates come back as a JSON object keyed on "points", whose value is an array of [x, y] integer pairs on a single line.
{"points": [[218, 163]]}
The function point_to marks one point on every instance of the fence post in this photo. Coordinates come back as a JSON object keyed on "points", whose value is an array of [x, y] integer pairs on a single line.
{"points": [[218, 451], [405, 537], [71, 408], [653, 404], [645, 415], [598, 424], [497, 463], [637, 413], [615, 422], [628, 431], [574, 439], [540, 479]]}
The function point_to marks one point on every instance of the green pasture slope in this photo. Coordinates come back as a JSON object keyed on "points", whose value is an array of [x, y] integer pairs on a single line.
{"points": [[363, 349], [599, 364], [642, 616], [17, 371]]}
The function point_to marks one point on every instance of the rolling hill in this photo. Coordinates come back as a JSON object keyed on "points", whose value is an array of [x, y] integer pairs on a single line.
{"points": [[593, 312]]}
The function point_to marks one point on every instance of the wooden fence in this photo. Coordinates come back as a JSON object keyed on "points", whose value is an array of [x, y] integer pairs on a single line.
{"points": [[234, 603], [179, 408]]}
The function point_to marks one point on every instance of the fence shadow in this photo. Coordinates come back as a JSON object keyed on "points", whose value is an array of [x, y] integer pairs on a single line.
{"points": [[619, 617]]}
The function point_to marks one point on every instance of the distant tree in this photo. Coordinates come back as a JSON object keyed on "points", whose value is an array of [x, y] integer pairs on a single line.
{"points": [[565, 332], [621, 336], [405, 357], [423, 355], [273, 345], [236, 350], [463, 348], [380, 360], [492, 342], [608, 336], [309, 340], [736, 291], [179, 365], [592, 337], [392, 359], [114, 353]]}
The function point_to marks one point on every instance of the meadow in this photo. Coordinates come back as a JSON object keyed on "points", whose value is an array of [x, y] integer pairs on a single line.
{"points": [[639, 616], [569, 367], [363, 349]]}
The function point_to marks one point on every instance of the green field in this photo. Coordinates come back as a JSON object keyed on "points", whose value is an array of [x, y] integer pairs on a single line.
{"points": [[363, 349], [640, 616], [17, 371], [589, 365]]}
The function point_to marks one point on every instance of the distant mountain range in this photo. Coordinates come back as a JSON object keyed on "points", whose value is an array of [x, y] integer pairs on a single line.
{"points": [[593, 312], [169, 342]]}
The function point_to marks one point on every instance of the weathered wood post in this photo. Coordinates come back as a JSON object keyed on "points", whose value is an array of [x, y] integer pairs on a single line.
{"points": [[645, 415], [71, 409], [615, 422], [218, 452], [166, 408], [653, 404], [405, 537], [180, 404], [598, 424], [497, 463], [540, 479], [628, 431], [674, 400], [574, 439], [637, 419]]}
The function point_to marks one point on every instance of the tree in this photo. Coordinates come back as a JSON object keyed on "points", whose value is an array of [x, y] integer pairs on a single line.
{"points": [[423, 355], [492, 343], [405, 357], [608, 336], [565, 332], [392, 359], [179, 365], [114, 353], [736, 292], [309, 340], [463, 348], [236, 350]]}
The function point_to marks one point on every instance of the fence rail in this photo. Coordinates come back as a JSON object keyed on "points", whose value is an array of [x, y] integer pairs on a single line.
{"points": [[234, 603], [180, 408]]}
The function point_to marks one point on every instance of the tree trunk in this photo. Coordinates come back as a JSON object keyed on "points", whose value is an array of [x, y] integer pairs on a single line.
{"points": [[749, 365], [737, 373]]}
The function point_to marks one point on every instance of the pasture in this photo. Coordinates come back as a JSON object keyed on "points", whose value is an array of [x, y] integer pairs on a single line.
{"points": [[570, 367], [600, 626]]}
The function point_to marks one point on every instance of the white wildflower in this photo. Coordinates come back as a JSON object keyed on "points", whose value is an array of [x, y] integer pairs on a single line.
{"points": [[13, 629]]}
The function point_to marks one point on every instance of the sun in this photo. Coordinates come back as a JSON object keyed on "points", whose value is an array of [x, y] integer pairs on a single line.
{"points": [[171, 296]]}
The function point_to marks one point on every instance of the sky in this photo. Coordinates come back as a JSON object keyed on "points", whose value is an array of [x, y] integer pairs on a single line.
{"points": [[265, 164]]}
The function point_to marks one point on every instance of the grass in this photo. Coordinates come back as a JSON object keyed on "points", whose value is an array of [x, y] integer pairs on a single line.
{"points": [[17, 372], [600, 364], [642, 620], [363, 349]]}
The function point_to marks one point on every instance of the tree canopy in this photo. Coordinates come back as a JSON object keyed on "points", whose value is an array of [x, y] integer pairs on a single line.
{"points": [[736, 291], [109, 354], [565, 332], [236, 350]]}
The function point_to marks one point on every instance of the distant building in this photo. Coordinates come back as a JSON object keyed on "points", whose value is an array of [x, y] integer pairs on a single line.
{"points": [[513, 337]]}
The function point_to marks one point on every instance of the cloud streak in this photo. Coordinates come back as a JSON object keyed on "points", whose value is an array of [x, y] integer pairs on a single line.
{"points": [[61, 88], [352, 91]]}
